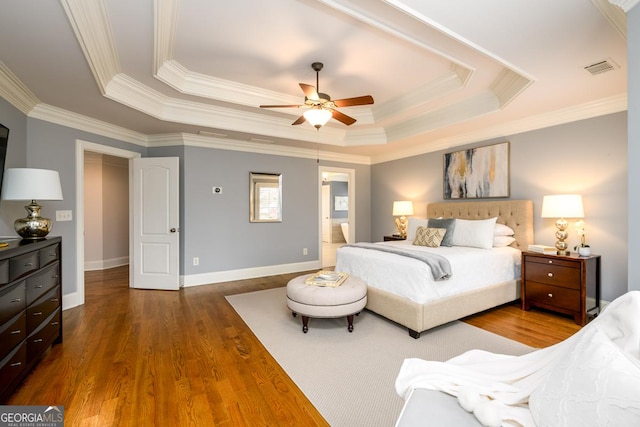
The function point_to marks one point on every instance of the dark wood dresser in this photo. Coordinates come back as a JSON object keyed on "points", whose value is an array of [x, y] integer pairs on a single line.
{"points": [[566, 284], [30, 307]]}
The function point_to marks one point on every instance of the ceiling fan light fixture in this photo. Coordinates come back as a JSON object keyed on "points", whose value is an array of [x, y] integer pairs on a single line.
{"points": [[318, 117]]}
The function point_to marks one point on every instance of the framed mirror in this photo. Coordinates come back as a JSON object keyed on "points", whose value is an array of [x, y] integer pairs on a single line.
{"points": [[265, 197]]}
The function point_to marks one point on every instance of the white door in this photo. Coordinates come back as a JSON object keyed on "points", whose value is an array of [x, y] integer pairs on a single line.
{"points": [[326, 214], [155, 235]]}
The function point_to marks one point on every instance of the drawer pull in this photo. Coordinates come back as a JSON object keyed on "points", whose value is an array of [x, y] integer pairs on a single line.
{"points": [[29, 264], [37, 313], [54, 323], [13, 365], [52, 255], [16, 332], [38, 340], [550, 274], [550, 261], [550, 295], [54, 300], [16, 300]]}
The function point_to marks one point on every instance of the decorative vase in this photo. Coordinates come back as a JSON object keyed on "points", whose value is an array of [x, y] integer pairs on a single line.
{"points": [[584, 251]]}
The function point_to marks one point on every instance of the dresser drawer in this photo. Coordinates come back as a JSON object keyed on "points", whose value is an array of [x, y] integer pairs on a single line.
{"points": [[41, 309], [23, 264], [563, 298], [11, 333], [41, 282], [49, 254], [12, 301], [553, 274], [12, 366], [42, 337], [4, 272]]}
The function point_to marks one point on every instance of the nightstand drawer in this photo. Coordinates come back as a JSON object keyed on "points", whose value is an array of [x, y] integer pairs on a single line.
{"points": [[553, 295], [553, 274]]}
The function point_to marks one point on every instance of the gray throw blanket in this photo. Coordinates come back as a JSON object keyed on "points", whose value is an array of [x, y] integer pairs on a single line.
{"points": [[439, 265]]}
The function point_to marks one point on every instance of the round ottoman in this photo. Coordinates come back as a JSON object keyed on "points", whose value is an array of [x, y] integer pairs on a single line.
{"points": [[322, 301]]}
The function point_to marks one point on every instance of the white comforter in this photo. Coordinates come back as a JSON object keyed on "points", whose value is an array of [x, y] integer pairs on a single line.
{"points": [[590, 379], [472, 268]]}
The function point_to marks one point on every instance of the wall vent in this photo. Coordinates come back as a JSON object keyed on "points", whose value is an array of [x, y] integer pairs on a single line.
{"points": [[601, 67]]}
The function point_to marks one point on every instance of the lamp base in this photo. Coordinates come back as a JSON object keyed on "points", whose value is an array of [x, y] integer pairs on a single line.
{"points": [[33, 226], [401, 225]]}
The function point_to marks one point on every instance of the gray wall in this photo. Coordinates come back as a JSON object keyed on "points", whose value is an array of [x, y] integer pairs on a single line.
{"points": [[587, 157], [633, 58]]}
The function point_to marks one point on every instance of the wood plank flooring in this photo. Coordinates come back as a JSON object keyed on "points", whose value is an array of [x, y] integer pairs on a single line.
{"points": [[148, 358]]}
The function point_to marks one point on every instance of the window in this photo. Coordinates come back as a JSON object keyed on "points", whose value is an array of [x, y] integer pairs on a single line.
{"points": [[265, 195]]}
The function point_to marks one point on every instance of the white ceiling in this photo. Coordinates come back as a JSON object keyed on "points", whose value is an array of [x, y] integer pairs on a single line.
{"points": [[442, 73]]}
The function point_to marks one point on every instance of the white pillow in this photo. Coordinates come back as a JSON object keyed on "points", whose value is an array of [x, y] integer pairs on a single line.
{"points": [[503, 230], [598, 383], [502, 241], [474, 233], [412, 226]]}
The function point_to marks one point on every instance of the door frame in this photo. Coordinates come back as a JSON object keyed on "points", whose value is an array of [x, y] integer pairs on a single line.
{"points": [[81, 147], [351, 193]]}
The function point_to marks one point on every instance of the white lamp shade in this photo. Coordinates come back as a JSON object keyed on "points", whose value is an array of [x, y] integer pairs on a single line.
{"points": [[31, 184], [562, 206], [317, 116], [402, 208]]}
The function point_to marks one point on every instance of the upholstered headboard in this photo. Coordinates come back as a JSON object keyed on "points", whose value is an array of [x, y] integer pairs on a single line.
{"points": [[517, 214]]}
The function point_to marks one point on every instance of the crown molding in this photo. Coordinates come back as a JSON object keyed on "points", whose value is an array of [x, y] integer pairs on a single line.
{"points": [[251, 147], [508, 85], [614, 104], [15, 92], [625, 5], [164, 17], [90, 23], [615, 15], [66, 118]]}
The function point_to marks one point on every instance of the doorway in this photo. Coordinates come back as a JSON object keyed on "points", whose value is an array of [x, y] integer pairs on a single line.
{"points": [[82, 149], [337, 211]]}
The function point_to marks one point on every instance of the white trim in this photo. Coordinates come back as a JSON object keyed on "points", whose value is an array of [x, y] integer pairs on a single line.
{"points": [[77, 298], [246, 273], [105, 264]]}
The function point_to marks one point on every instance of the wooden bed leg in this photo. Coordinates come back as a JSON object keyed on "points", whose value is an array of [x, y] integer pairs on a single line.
{"points": [[413, 334]]}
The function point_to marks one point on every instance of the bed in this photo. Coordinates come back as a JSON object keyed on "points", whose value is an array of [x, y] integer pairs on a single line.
{"points": [[389, 274]]}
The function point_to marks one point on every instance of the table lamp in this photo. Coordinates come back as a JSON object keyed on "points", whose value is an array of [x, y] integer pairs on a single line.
{"points": [[562, 206], [401, 209], [31, 184]]}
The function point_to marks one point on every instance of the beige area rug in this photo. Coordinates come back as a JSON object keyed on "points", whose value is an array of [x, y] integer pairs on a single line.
{"points": [[350, 377]]}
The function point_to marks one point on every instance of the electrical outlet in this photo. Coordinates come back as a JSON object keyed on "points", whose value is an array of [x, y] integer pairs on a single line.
{"points": [[196, 260], [64, 215], [217, 190], [305, 251]]}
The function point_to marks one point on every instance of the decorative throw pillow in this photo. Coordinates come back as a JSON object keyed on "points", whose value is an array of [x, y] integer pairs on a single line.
{"points": [[598, 383], [502, 241], [412, 226], [474, 233], [503, 230], [430, 237], [448, 224]]}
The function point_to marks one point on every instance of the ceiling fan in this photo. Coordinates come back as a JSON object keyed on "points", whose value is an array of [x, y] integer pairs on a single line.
{"points": [[320, 106]]}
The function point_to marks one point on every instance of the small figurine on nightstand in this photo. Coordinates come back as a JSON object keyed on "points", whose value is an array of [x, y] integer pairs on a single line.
{"points": [[583, 249]]}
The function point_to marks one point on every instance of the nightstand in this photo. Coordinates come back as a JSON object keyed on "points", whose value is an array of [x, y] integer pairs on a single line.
{"points": [[566, 284], [393, 237]]}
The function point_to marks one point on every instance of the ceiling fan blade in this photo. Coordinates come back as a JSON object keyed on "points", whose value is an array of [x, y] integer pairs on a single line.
{"points": [[351, 102], [281, 106], [342, 117], [309, 91], [300, 120]]}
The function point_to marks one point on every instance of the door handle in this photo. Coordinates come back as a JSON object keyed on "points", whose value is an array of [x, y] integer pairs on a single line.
{"points": [[173, 230]]}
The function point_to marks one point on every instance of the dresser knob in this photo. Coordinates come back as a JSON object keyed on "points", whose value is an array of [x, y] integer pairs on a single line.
{"points": [[550, 295], [550, 261], [550, 274]]}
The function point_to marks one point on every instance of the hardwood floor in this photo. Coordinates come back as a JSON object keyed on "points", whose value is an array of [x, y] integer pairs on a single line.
{"points": [[142, 358]]}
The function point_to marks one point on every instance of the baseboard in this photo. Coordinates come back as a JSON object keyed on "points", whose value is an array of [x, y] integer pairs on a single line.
{"points": [[106, 263], [71, 300], [246, 273]]}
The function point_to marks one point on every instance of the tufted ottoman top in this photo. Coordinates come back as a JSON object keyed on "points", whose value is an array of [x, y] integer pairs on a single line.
{"points": [[353, 289]]}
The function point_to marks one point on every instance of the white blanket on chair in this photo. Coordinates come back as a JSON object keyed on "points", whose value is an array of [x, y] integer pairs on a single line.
{"points": [[593, 375]]}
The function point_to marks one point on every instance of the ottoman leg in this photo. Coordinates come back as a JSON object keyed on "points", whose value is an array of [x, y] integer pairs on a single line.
{"points": [[350, 321], [305, 324]]}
